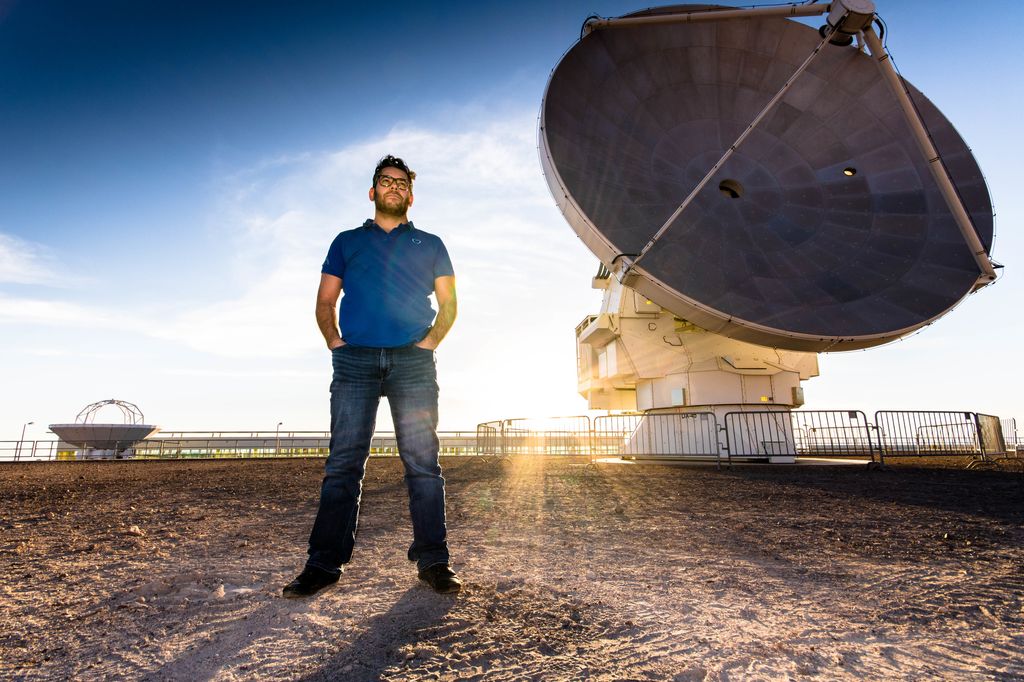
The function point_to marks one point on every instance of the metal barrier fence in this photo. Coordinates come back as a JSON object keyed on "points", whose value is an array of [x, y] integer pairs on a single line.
{"points": [[833, 433], [800, 433], [990, 432], [928, 434], [489, 440], [656, 434], [1009, 429], [759, 434], [553, 436]]}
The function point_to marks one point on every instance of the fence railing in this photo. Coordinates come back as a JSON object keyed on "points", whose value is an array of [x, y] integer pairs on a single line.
{"points": [[489, 440], [799, 433], [28, 450], [990, 431], [554, 436], [529, 436], [657, 434], [223, 444], [937, 433], [753, 435], [1011, 437]]}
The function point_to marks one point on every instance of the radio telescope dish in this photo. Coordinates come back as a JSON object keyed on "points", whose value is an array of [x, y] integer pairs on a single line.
{"points": [[825, 230]]}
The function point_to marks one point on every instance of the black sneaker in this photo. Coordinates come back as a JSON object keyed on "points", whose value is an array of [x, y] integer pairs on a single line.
{"points": [[441, 578], [309, 582]]}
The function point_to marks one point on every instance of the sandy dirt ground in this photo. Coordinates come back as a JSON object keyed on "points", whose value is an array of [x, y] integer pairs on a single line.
{"points": [[173, 570]]}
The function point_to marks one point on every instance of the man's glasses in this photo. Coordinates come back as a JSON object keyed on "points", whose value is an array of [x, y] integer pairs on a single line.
{"points": [[400, 184]]}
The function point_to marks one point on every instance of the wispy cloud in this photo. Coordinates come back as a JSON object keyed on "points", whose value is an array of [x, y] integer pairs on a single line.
{"points": [[24, 310], [26, 262]]}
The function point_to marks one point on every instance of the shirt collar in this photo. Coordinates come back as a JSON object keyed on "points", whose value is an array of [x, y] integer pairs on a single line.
{"points": [[372, 226]]}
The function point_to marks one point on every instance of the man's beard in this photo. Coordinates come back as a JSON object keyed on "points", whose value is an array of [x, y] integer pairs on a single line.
{"points": [[393, 209]]}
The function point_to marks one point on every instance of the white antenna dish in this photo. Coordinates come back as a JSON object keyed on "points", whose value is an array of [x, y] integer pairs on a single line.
{"points": [[106, 439]]}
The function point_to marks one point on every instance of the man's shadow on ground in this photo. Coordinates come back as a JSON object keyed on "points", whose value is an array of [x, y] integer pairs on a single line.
{"points": [[378, 648]]}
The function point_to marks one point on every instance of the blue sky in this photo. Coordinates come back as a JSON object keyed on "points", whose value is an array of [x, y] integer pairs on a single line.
{"points": [[172, 173]]}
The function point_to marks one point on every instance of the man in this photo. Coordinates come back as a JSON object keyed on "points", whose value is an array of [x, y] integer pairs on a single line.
{"points": [[382, 344]]}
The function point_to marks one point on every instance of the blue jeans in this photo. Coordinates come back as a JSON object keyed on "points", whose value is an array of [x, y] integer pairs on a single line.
{"points": [[407, 376]]}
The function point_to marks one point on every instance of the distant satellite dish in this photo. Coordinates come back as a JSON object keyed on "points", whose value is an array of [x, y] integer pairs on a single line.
{"points": [[112, 438], [115, 437], [824, 231]]}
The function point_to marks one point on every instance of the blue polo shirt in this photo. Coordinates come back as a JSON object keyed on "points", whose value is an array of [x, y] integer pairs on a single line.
{"points": [[387, 279]]}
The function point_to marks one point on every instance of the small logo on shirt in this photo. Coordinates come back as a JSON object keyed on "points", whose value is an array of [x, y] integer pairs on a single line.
{"points": [[416, 241]]}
